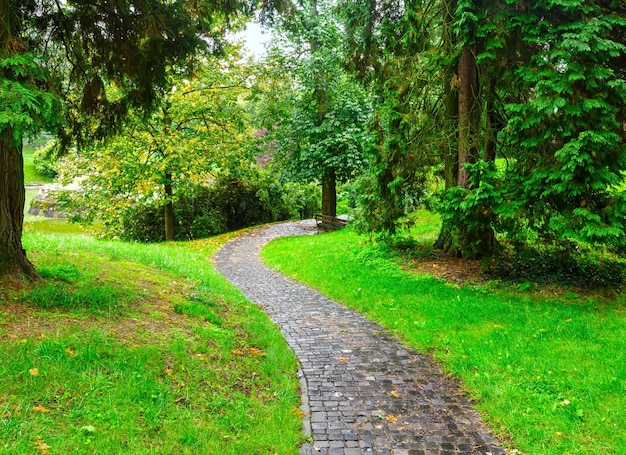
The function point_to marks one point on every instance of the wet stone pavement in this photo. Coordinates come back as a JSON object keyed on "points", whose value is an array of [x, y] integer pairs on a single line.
{"points": [[363, 391]]}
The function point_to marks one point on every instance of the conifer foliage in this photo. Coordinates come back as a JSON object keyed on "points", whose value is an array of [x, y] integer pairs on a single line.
{"points": [[520, 106]]}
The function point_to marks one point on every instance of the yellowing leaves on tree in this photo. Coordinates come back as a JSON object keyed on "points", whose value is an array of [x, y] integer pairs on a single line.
{"points": [[196, 128]]}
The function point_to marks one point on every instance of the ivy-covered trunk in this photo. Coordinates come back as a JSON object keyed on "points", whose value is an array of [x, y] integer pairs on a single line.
{"points": [[13, 260], [329, 193]]}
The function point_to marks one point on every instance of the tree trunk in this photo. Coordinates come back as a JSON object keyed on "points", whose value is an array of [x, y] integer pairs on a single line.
{"points": [[475, 242], [469, 113], [329, 193], [445, 240], [13, 261], [450, 99], [168, 210]]}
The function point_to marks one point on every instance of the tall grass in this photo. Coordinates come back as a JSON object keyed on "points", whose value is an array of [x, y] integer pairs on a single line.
{"points": [[549, 373]]}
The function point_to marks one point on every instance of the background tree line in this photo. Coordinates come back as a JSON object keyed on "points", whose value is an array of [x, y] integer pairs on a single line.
{"points": [[519, 107], [505, 117]]}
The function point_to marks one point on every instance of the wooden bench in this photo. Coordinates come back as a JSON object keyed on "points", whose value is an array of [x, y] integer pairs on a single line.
{"points": [[330, 223]]}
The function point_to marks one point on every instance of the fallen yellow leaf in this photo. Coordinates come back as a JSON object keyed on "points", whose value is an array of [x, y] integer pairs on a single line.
{"points": [[394, 393], [237, 351], [40, 408], [41, 446], [70, 352], [256, 352], [343, 359], [34, 371], [392, 419]]}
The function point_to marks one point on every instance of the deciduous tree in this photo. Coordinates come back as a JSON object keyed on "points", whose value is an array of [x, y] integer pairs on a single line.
{"points": [[51, 50], [196, 132]]}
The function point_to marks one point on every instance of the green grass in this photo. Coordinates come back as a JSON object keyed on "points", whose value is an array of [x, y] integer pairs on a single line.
{"points": [[140, 349], [41, 223], [31, 176], [548, 374]]}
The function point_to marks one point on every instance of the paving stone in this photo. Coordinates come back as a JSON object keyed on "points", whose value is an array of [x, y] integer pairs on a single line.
{"points": [[349, 367]]}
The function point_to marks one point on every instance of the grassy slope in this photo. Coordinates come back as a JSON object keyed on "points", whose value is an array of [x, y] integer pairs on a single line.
{"points": [[140, 349], [548, 373]]}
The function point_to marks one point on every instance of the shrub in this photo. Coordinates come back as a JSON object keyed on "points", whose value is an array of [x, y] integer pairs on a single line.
{"points": [[229, 204], [546, 265], [45, 159]]}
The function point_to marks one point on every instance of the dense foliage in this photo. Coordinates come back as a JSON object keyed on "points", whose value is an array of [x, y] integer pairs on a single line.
{"points": [[519, 107], [186, 170], [228, 204], [45, 159], [312, 112], [79, 67]]}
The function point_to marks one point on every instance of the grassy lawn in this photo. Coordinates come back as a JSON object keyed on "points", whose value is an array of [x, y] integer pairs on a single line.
{"points": [[31, 176], [139, 349], [547, 371]]}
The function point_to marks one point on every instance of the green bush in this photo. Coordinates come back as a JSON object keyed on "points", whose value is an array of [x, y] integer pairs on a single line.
{"points": [[547, 265], [45, 159], [229, 204]]}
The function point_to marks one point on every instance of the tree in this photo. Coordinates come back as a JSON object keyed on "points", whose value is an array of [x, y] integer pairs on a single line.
{"points": [[321, 132], [395, 52], [566, 127], [83, 46], [196, 132]]}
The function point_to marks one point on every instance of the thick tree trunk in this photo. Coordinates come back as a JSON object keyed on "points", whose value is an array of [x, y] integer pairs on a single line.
{"points": [[445, 240], [13, 261], [469, 113], [475, 242], [168, 210], [329, 193]]}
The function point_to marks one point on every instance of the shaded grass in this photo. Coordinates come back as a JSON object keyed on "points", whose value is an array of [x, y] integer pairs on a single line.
{"points": [[548, 373], [174, 361]]}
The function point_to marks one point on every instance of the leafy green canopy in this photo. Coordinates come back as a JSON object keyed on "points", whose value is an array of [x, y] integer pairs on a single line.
{"points": [[25, 104], [318, 119], [391, 49], [196, 133], [552, 104]]}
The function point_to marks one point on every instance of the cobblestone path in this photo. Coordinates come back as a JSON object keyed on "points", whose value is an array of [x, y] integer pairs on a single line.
{"points": [[363, 391]]}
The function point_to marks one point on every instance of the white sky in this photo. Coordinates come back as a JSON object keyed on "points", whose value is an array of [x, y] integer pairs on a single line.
{"points": [[254, 38]]}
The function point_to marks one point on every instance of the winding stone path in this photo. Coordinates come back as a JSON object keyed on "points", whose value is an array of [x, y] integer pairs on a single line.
{"points": [[363, 391]]}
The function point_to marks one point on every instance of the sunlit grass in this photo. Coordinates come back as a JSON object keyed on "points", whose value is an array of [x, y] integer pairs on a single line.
{"points": [[142, 349], [549, 373]]}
